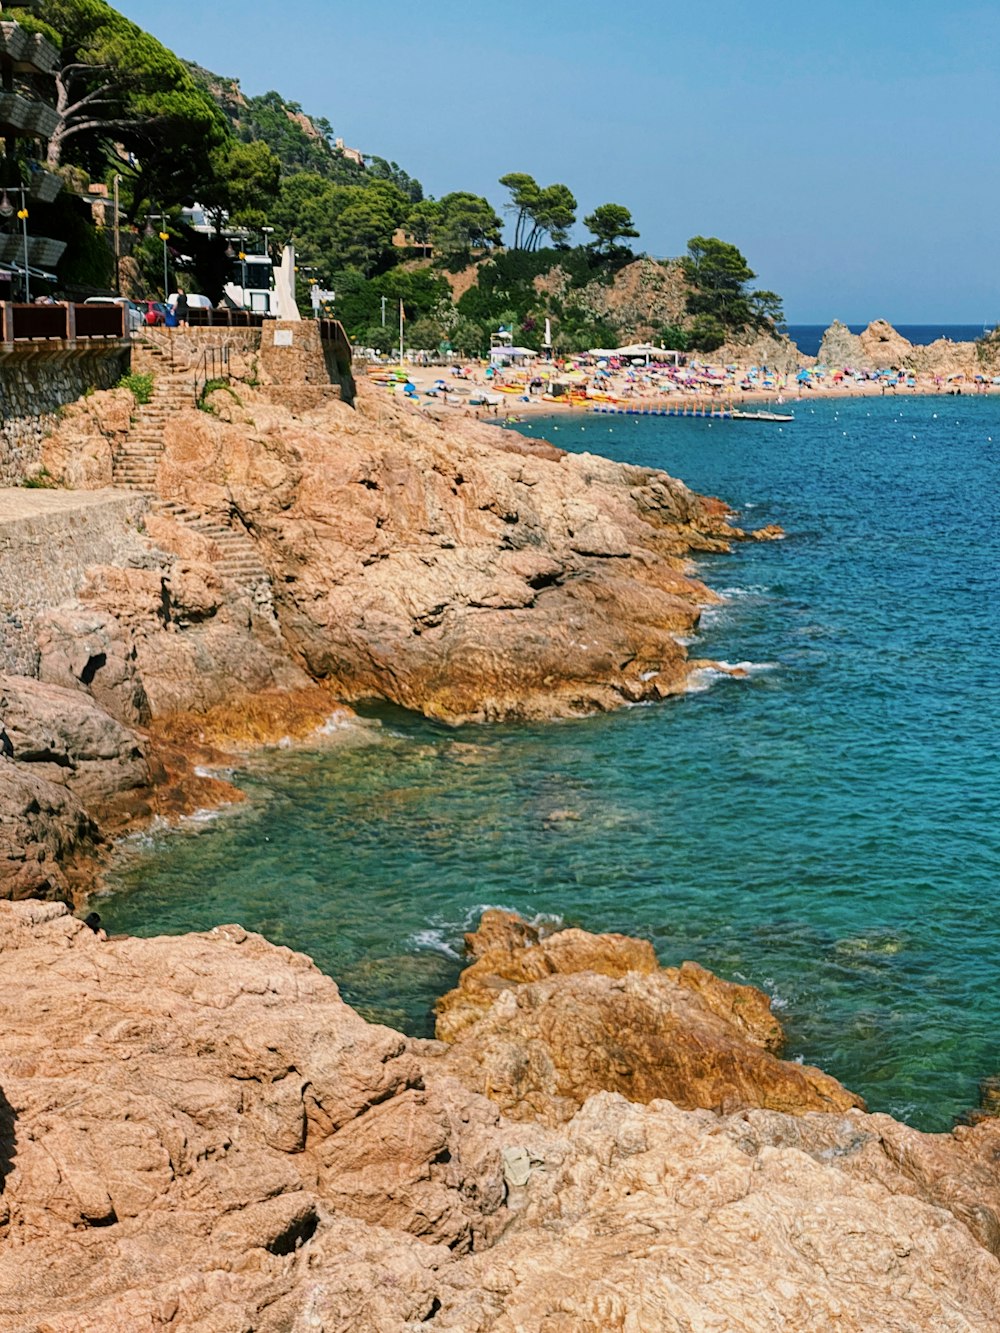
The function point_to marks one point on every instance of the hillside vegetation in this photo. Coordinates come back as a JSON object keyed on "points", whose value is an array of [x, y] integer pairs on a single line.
{"points": [[175, 133]]}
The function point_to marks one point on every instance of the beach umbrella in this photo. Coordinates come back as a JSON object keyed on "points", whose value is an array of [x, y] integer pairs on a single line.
{"points": [[802, 376]]}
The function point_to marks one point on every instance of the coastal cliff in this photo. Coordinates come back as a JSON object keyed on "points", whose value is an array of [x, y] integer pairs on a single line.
{"points": [[198, 1134]]}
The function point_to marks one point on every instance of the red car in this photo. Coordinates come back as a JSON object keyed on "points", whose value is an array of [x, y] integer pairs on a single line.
{"points": [[156, 313]]}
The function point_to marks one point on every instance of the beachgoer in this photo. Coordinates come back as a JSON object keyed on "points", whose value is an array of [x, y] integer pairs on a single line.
{"points": [[181, 308]]}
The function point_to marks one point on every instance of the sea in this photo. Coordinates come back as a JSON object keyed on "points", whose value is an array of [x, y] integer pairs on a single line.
{"points": [[825, 829], [807, 337]]}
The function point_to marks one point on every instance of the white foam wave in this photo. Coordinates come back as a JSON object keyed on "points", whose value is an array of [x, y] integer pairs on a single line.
{"points": [[203, 816], [433, 940], [751, 590], [337, 722], [704, 677], [749, 667]]}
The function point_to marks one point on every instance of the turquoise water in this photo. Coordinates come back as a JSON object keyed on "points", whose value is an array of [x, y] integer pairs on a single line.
{"points": [[825, 829]]}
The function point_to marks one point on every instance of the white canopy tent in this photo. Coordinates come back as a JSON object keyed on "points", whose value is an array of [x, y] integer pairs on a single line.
{"points": [[505, 356], [646, 350]]}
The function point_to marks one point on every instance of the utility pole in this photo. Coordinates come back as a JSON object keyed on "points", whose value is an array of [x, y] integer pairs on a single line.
{"points": [[118, 243], [383, 311]]}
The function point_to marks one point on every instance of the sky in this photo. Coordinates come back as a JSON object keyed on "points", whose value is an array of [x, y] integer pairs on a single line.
{"points": [[847, 150]]}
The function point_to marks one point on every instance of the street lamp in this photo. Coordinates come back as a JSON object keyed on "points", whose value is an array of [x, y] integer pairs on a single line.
{"points": [[6, 211], [164, 237], [118, 239]]}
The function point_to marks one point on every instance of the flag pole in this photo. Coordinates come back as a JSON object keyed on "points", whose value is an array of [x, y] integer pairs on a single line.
{"points": [[401, 335]]}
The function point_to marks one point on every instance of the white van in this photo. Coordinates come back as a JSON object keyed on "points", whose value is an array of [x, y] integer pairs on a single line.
{"points": [[135, 314], [195, 301]]}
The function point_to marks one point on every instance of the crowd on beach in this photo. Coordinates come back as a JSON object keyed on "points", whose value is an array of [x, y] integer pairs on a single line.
{"points": [[587, 382]]}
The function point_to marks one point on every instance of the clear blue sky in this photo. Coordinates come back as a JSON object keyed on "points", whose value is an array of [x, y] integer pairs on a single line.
{"points": [[848, 150]]}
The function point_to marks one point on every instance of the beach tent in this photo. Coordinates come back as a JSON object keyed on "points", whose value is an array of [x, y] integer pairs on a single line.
{"points": [[507, 356], [646, 350]]}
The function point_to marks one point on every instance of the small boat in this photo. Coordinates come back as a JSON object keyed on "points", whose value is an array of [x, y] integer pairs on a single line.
{"points": [[761, 416]]}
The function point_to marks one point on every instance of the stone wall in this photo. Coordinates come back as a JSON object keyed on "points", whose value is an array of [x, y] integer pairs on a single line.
{"points": [[48, 539], [294, 356], [35, 381]]}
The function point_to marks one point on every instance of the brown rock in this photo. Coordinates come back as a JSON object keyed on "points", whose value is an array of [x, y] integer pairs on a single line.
{"points": [[653, 1217], [182, 1116], [540, 1024], [197, 1134], [464, 577], [62, 759]]}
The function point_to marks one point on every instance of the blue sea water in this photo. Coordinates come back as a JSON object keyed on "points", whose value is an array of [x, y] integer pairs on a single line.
{"points": [[807, 337], [825, 829]]}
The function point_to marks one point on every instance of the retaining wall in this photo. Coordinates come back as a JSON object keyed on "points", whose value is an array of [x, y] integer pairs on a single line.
{"points": [[36, 379], [48, 539]]}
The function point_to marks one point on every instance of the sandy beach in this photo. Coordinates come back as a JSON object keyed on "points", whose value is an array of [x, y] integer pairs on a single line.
{"points": [[483, 391]]}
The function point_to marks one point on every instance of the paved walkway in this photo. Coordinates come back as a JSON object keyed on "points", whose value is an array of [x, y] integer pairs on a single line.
{"points": [[21, 502]]}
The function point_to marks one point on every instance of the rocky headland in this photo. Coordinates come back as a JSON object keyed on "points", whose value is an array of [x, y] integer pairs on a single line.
{"points": [[308, 554], [196, 1133]]}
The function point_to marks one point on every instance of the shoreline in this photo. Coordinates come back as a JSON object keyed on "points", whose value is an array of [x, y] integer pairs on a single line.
{"points": [[513, 407]]}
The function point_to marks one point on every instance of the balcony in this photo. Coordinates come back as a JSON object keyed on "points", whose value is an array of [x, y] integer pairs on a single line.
{"points": [[22, 117], [43, 186], [26, 52], [42, 252]]}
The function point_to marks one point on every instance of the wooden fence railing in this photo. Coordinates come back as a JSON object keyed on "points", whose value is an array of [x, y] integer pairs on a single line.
{"points": [[66, 323]]}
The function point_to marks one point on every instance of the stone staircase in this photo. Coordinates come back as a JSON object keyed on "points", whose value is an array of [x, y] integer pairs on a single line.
{"points": [[239, 562], [136, 459]]}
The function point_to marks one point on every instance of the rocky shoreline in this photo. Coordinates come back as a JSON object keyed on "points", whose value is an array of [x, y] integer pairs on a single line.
{"points": [[198, 1134], [462, 572]]}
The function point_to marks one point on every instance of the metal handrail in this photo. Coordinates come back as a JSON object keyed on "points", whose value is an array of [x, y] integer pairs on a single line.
{"points": [[213, 364]]}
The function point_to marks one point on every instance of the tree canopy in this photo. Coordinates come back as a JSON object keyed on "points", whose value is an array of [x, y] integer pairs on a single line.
{"points": [[538, 211], [118, 85], [610, 223], [720, 278]]}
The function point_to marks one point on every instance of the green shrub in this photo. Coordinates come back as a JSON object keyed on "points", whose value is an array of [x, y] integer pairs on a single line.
{"points": [[210, 387], [139, 385], [39, 481]]}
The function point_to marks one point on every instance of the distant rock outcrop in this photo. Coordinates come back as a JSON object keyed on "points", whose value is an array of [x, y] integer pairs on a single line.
{"points": [[198, 1135], [881, 346]]}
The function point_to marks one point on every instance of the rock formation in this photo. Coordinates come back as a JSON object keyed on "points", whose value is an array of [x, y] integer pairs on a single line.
{"points": [[774, 350], [60, 755], [540, 1023], [880, 346], [455, 569], [197, 1135]]}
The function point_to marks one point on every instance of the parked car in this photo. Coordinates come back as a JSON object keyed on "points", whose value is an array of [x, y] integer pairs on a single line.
{"points": [[156, 313], [135, 314]]}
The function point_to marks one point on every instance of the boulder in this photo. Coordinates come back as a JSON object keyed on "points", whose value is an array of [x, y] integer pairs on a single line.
{"points": [[540, 1023], [61, 756]]}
